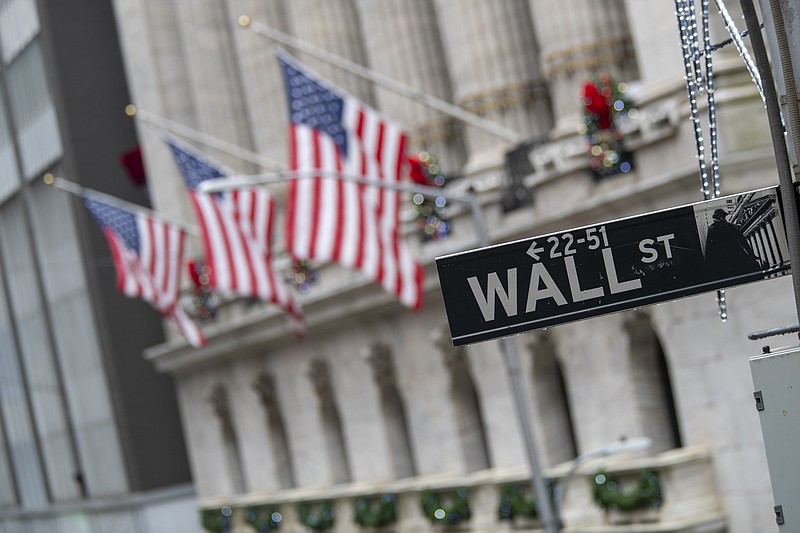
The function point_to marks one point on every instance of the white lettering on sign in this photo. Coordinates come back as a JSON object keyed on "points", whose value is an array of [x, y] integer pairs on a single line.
{"points": [[550, 290], [494, 287], [543, 286], [651, 254], [578, 294], [613, 283]]}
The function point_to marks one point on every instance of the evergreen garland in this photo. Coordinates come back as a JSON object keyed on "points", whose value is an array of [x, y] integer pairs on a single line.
{"points": [[604, 103], [216, 520], [263, 518], [317, 516], [516, 502], [302, 275], [646, 494], [432, 224], [376, 511], [204, 302], [436, 511]]}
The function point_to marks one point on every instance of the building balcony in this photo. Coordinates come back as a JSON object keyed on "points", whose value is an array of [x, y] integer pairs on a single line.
{"points": [[684, 500]]}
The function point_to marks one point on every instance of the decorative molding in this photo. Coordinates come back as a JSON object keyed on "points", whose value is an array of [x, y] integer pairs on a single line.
{"points": [[320, 378], [379, 357], [454, 356], [264, 386], [218, 399]]}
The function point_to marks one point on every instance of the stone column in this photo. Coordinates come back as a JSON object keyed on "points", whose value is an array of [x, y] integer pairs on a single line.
{"points": [[319, 375], [261, 76], [403, 42], [576, 40], [334, 26], [466, 404], [218, 400], [379, 356], [492, 56], [213, 70], [158, 82], [551, 401], [651, 383], [264, 386]]}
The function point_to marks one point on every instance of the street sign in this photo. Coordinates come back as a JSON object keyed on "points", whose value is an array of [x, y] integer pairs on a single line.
{"points": [[622, 264]]}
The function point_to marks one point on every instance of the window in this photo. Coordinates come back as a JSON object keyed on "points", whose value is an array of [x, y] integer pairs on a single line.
{"points": [[9, 175], [33, 111], [19, 24]]}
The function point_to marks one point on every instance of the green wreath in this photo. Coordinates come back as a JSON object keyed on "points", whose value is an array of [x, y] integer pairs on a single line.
{"points": [[317, 516], [376, 511], [216, 520], [263, 518], [515, 501], [437, 513], [646, 494]]}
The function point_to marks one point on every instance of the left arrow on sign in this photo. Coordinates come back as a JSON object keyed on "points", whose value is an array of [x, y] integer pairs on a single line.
{"points": [[533, 251]]}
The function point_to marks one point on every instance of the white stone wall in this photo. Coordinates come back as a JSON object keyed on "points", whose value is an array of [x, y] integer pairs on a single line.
{"points": [[486, 46]]}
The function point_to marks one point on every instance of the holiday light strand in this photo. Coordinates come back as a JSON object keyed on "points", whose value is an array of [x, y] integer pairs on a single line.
{"points": [[682, 12], [740, 46], [690, 43], [726, 42], [694, 44], [722, 304], [712, 105]]}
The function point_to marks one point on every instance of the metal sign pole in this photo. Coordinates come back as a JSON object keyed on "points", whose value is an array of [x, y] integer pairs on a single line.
{"points": [[549, 521], [552, 524], [776, 129]]}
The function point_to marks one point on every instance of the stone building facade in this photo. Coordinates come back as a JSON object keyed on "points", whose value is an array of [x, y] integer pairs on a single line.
{"points": [[375, 399]]}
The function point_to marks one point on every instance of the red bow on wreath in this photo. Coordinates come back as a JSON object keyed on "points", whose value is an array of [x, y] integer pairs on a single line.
{"points": [[596, 103]]}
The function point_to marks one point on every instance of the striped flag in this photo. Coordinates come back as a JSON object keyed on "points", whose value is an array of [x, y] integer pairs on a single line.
{"points": [[331, 219], [237, 233], [148, 257]]}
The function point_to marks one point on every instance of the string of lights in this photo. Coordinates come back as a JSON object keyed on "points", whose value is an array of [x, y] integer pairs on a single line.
{"points": [[683, 11], [726, 42], [696, 83], [740, 46], [722, 303]]}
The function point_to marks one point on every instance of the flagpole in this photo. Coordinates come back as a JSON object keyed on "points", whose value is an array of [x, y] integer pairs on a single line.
{"points": [[550, 521], [77, 190], [382, 80], [202, 138], [238, 181]]}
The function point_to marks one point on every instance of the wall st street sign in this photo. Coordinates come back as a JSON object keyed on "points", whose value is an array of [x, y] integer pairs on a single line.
{"points": [[622, 264]]}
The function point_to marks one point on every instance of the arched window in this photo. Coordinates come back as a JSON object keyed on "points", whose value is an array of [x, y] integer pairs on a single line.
{"points": [[552, 400], [265, 387], [652, 384], [331, 422], [392, 410], [233, 460]]}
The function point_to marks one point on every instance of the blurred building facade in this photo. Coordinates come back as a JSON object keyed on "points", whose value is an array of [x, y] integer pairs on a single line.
{"points": [[90, 438], [375, 400]]}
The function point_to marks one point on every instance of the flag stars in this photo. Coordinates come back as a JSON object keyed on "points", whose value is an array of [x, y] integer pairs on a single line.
{"points": [[123, 223], [315, 105], [194, 170]]}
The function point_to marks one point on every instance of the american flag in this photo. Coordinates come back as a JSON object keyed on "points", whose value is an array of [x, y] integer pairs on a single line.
{"points": [[148, 257], [330, 219], [237, 233]]}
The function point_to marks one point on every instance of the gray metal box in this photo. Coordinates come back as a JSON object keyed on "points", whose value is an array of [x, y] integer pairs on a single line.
{"points": [[775, 376]]}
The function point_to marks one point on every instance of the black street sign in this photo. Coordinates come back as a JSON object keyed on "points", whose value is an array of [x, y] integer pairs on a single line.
{"points": [[622, 264]]}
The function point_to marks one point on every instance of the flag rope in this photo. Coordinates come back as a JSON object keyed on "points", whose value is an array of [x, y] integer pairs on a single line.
{"points": [[78, 190], [386, 82], [205, 139]]}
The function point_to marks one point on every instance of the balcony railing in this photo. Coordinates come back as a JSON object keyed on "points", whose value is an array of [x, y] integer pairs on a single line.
{"points": [[688, 501]]}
